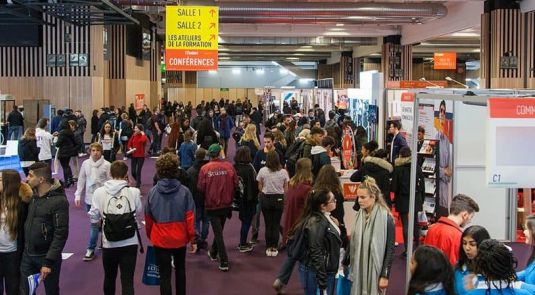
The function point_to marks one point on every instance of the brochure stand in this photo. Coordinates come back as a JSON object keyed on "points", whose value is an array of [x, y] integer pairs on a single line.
{"points": [[429, 160]]}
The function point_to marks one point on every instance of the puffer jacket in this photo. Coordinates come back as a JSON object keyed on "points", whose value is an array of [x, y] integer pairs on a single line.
{"points": [[25, 195], [380, 170], [47, 227], [401, 180], [323, 247], [28, 150], [66, 142], [218, 181]]}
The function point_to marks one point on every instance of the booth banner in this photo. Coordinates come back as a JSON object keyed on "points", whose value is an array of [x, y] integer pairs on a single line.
{"points": [[510, 142], [444, 133], [427, 119], [445, 61], [407, 116], [348, 146], [341, 99], [140, 101], [350, 191]]}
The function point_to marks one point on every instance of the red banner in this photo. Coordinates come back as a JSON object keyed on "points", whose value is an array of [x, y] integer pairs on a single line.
{"points": [[445, 61], [514, 108], [140, 101], [190, 60]]}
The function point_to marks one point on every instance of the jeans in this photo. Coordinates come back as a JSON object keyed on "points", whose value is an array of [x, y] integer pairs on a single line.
{"points": [[163, 260], [147, 132], [30, 265], [272, 207], [123, 258], [67, 173], [94, 138], [201, 230], [238, 119], [10, 273], [137, 165], [76, 166], [308, 280], [218, 219], [14, 132], [246, 217], [287, 267], [156, 145], [93, 232], [405, 224]]}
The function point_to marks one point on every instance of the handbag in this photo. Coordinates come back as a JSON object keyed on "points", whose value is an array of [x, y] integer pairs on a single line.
{"points": [[343, 286], [151, 273]]}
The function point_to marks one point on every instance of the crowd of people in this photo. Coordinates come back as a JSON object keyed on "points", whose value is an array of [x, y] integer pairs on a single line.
{"points": [[285, 172]]}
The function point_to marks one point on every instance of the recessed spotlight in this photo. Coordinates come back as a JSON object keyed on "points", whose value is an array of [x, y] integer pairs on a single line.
{"points": [[339, 25]]}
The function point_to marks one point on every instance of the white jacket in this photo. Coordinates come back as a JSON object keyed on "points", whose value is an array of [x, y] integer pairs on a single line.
{"points": [[45, 142], [92, 175], [99, 206]]}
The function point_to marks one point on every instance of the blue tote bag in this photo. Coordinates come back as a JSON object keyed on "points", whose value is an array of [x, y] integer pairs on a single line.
{"points": [[344, 285], [151, 274]]}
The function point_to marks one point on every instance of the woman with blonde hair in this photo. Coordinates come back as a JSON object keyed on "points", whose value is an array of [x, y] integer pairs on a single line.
{"points": [[250, 140], [28, 150], [371, 248], [14, 199]]}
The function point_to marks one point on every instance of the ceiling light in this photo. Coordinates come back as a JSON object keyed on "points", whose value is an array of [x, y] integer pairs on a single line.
{"points": [[275, 63], [283, 71], [303, 81], [212, 72], [477, 50], [293, 58], [236, 71], [288, 87], [337, 29], [339, 25], [336, 34], [306, 47], [259, 71], [460, 34], [224, 58], [292, 73]]}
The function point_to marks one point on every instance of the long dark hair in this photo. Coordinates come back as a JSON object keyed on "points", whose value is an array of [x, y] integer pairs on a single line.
{"points": [[432, 267], [9, 200], [479, 234], [530, 221], [313, 202], [496, 263], [205, 128], [327, 178], [273, 162]]}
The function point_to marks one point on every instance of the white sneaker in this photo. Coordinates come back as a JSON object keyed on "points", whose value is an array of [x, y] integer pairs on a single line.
{"points": [[89, 255], [274, 253], [268, 252], [81, 154]]}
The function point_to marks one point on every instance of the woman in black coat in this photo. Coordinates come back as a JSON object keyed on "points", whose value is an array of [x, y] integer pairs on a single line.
{"points": [[377, 167], [28, 150], [401, 181], [94, 126], [68, 148]]}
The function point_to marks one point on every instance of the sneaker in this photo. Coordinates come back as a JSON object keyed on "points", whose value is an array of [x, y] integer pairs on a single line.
{"points": [[253, 240], [223, 266], [278, 286], [81, 154], [172, 262], [213, 258], [89, 255], [274, 252], [268, 253], [245, 248]]}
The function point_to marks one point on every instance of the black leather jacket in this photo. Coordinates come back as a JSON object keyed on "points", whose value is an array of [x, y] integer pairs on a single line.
{"points": [[323, 248]]}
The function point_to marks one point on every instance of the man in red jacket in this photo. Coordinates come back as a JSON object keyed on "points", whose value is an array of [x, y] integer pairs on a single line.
{"points": [[218, 181], [446, 233]]}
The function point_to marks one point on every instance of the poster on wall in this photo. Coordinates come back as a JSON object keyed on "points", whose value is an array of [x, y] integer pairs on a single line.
{"points": [[427, 119], [348, 149], [341, 99], [407, 116], [443, 122], [140, 101]]}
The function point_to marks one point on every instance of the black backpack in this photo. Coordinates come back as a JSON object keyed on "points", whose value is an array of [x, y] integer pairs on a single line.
{"points": [[127, 130], [295, 151], [120, 226]]}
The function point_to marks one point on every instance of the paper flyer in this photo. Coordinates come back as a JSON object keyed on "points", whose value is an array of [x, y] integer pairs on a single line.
{"points": [[33, 282]]}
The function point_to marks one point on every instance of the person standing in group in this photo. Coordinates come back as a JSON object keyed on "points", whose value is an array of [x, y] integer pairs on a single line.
{"points": [[319, 265], [446, 233], [94, 172], [202, 220], [187, 151], [157, 131], [81, 126], [371, 248], [224, 124], [319, 155], [66, 143], [398, 141], [528, 274], [273, 184], [28, 150], [117, 252], [431, 273], [205, 135], [471, 238], [45, 141], [109, 140], [218, 181], [144, 116], [48, 212], [132, 114], [94, 126], [401, 182], [14, 198], [136, 151], [298, 189], [246, 195], [15, 122], [126, 129], [250, 140]]}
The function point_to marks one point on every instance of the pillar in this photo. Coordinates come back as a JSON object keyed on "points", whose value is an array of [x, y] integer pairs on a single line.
{"points": [[396, 59]]}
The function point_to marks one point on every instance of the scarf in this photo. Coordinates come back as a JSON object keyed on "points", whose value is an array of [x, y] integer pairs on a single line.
{"points": [[224, 121], [368, 244], [94, 176]]}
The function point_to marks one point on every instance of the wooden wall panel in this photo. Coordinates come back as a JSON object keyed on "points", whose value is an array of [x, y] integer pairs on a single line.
{"points": [[155, 93], [97, 56], [216, 93], [372, 67], [117, 92], [199, 96], [530, 50], [241, 93], [484, 82]]}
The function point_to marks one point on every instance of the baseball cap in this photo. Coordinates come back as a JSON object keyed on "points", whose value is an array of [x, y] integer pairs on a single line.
{"points": [[214, 149]]}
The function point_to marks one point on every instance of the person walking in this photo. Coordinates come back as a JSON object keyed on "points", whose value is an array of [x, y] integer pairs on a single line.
{"points": [[218, 181], [136, 151], [45, 141], [116, 198], [94, 126], [28, 150], [67, 145], [224, 124], [250, 140], [14, 197], [109, 139], [187, 151], [44, 237], [94, 172], [81, 126], [202, 220], [377, 167], [273, 184]]}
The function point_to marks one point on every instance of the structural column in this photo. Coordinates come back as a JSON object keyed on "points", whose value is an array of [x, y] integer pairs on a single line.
{"points": [[396, 59]]}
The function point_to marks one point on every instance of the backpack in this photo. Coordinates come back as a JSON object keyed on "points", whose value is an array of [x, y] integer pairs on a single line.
{"points": [[295, 151], [239, 108], [119, 226], [148, 124], [126, 132]]}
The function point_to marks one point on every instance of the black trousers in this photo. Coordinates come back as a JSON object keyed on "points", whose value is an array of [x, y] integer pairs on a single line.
{"points": [[163, 260], [272, 207], [217, 220], [31, 265], [123, 258], [10, 273], [67, 172], [405, 224], [137, 165]]}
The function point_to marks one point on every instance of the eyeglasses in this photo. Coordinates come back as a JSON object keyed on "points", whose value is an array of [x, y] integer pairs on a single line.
{"points": [[332, 201]]}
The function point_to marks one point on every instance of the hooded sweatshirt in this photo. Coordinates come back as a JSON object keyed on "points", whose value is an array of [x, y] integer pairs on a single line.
{"points": [[319, 157], [45, 140], [170, 215], [101, 199], [92, 175]]}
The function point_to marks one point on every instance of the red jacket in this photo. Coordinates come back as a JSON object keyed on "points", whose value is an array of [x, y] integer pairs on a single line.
{"points": [[295, 202], [137, 141], [445, 235], [218, 181]]}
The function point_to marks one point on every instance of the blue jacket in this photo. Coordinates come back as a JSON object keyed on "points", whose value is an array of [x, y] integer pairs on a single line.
{"points": [[459, 279], [187, 154], [260, 159], [224, 132], [482, 290], [527, 275], [399, 142]]}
